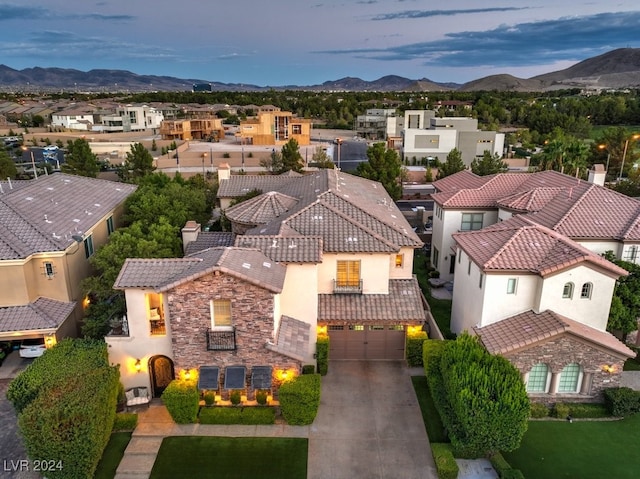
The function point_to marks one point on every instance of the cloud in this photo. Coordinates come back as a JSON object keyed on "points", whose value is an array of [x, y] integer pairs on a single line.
{"points": [[440, 13], [18, 12], [533, 43], [233, 56]]}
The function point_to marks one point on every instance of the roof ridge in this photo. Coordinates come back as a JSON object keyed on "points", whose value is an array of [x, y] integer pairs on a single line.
{"points": [[517, 233], [575, 205]]}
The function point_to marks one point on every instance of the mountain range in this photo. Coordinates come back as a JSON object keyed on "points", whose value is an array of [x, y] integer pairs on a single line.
{"points": [[616, 69]]}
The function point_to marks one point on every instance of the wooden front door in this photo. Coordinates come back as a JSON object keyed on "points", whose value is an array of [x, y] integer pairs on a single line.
{"points": [[162, 373]]}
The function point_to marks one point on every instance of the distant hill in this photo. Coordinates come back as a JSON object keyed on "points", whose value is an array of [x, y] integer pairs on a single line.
{"points": [[614, 70]]}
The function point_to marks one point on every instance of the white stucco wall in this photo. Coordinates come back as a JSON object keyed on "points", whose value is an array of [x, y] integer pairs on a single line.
{"points": [[593, 312], [600, 247], [406, 271], [446, 141], [374, 271], [468, 298], [499, 305]]}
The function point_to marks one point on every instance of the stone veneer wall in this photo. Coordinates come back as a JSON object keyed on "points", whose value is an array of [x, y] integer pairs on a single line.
{"points": [[252, 316], [559, 352]]}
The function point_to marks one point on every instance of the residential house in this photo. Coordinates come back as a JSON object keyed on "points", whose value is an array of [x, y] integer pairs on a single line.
{"points": [[524, 254], [74, 119], [373, 124], [274, 127], [49, 229], [194, 129], [325, 252]]}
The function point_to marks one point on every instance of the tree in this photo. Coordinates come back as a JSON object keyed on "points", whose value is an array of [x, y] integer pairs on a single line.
{"points": [[139, 163], [7, 166], [80, 160], [291, 157], [488, 165], [453, 164], [625, 304], [384, 165], [320, 159], [273, 163]]}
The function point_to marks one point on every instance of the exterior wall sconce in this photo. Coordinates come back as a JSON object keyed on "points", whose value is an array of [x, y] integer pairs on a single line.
{"points": [[138, 366], [608, 369], [187, 374]]}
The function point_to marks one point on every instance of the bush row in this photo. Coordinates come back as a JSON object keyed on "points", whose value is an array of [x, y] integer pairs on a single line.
{"points": [[622, 402], [564, 410], [322, 354], [125, 421], [68, 409], [300, 399], [237, 415], [182, 400], [503, 468], [446, 464], [414, 348]]}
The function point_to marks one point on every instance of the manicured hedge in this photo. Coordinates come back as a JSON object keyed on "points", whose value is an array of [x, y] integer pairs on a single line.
{"points": [[445, 462], [300, 399], [622, 402], [182, 399], [125, 421], [237, 415], [414, 348], [503, 468], [322, 354], [539, 410]]}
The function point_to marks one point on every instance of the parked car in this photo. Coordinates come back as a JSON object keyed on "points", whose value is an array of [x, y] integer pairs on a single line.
{"points": [[32, 348]]}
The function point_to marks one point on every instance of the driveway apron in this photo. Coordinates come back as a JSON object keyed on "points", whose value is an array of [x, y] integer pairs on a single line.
{"points": [[369, 425]]}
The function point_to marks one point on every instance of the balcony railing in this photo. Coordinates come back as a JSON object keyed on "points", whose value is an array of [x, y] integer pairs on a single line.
{"points": [[119, 326], [157, 327], [221, 340], [347, 287]]}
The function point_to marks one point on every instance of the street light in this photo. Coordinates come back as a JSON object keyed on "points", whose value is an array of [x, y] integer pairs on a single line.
{"points": [[204, 155], [605, 147], [624, 154], [339, 143], [33, 161]]}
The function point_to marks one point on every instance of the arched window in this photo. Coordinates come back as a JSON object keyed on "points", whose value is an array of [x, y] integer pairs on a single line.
{"points": [[570, 378], [567, 291], [537, 380], [585, 292]]}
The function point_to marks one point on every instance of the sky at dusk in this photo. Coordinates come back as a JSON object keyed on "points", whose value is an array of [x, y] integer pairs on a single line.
{"points": [[287, 42]]}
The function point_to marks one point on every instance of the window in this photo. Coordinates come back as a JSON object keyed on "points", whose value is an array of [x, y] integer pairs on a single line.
{"points": [[399, 260], [48, 269], [296, 129], [480, 281], [538, 378], [585, 292], [511, 285], [459, 256], [220, 313], [88, 246], [110, 228], [348, 274], [567, 291], [469, 268], [471, 221], [155, 314], [357, 327], [631, 254], [569, 379], [436, 257]]}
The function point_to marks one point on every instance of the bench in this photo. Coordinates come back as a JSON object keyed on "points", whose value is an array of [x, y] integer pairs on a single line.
{"points": [[137, 396]]}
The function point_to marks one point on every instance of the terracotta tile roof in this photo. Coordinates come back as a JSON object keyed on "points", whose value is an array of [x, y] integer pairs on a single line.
{"points": [[519, 244], [42, 314], [210, 239], [528, 329], [42, 215], [285, 249], [529, 201], [401, 306], [239, 185], [292, 339], [163, 274], [261, 209], [464, 179]]}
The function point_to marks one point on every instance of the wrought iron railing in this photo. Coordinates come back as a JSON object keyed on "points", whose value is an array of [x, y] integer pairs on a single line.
{"points": [[347, 287], [221, 340], [157, 327]]}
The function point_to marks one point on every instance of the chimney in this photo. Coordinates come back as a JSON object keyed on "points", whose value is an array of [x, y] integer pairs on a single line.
{"points": [[597, 174], [189, 233], [224, 171]]}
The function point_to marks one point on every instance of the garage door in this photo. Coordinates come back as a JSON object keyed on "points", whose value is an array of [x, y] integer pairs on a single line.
{"points": [[366, 342]]}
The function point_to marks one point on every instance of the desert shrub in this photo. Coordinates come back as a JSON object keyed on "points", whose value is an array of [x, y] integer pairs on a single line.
{"points": [[622, 402], [414, 348], [308, 369], [261, 397], [181, 398], [561, 410], [235, 397], [300, 398], [125, 421], [244, 415], [445, 462], [209, 398], [322, 354], [539, 410]]}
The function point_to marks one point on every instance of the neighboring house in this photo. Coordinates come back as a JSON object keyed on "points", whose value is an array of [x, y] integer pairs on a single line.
{"points": [[324, 252], [524, 253], [49, 228], [373, 124], [427, 136], [74, 119], [274, 127], [194, 129]]}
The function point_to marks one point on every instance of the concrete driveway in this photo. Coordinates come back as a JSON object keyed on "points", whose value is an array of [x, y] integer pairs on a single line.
{"points": [[369, 425]]}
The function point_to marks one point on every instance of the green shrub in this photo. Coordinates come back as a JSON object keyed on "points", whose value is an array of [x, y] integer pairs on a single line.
{"points": [[232, 415], [226, 155], [561, 410], [308, 369], [209, 398], [588, 410], [235, 397], [182, 399], [322, 354], [539, 410], [622, 402], [512, 474], [414, 348], [261, 397], [300, 398], [125, 421], [499, 463], [445, 462]]}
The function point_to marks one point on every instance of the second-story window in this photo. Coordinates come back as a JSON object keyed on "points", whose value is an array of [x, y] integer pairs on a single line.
{"points": [[348, 273], [88, 246], [220, 310], [471, 221], [399, 260], [110, 227], [585, 293], [511, 285]]}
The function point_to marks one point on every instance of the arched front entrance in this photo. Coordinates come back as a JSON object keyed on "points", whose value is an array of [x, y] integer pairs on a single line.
{"points": [[162, 373]]}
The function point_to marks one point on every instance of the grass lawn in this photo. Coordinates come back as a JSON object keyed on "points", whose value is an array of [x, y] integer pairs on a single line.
{"points": [[430, 416], [582, 449], [112, 455], [231, 457]]}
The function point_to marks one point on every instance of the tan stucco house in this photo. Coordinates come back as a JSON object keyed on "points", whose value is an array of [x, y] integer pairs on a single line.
{"points": [[49, 229], [325, 252]]}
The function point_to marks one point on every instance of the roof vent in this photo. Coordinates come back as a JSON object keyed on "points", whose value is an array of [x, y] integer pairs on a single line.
{"points": [[274, 243], [266, 264], [292, 244], [246, 265]]}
